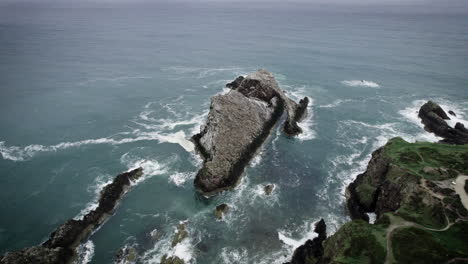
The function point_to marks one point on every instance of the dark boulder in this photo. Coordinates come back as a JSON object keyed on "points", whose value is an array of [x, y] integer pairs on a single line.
{"points": [[433, 117], [312, 251], [452, 113], [234, 84]]}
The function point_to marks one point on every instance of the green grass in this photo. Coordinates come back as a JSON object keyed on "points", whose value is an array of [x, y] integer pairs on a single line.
{"points": [[414, 157], [428, 216], [357, 242], [413, 245]]}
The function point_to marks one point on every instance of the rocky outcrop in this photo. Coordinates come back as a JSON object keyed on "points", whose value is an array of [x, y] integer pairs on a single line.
{"points": [[268, 189], [433, 117], [420, 217], [312, 250], [60, 247], [221, 210], [237, 125]]}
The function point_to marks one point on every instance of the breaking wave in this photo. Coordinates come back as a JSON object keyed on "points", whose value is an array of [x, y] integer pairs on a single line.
{"points": [[361, 83], [85, 253]]}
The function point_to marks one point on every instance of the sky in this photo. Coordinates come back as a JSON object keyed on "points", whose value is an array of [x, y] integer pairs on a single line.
{"points": [[437, 5]]}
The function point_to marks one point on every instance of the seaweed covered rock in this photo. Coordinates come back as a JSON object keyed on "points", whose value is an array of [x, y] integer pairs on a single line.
{"points": [[60, 247], [237, 125], [433, 117]]}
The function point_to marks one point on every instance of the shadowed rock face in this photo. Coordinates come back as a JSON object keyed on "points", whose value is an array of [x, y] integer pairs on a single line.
{"points": [[237, 125], [433, 117], [60, 248], [312, 250]]}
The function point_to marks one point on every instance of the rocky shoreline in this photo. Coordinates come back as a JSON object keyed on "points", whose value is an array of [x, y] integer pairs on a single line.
{"points": [[62, 243], [415, 191], [237, 125]]}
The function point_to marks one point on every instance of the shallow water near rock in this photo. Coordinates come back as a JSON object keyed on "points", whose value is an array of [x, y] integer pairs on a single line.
{"points": [[90, 92]]}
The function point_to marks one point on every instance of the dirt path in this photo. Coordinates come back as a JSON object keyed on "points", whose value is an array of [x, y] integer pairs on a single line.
{"points": [[460, 189]]}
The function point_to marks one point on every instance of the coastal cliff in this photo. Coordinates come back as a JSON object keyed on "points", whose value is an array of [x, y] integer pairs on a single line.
{"points": [[237, 125], [62, 243], [418, 193]]}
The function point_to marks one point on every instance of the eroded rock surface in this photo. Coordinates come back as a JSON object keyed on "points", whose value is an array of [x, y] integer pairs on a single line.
{"points": [[414, 190], [60, 247], [312, 250], [433, 117], [237, 125]]}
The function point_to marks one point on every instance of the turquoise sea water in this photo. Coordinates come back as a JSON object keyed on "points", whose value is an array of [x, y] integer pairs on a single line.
{"points": [[89, 92]]}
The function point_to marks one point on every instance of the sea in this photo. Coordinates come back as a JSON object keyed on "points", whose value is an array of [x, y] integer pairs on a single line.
{"points": [[89, 90]]}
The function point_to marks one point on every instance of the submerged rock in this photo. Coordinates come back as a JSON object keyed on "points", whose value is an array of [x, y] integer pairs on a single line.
{"points": [[171, 260], [221, 210], [433, 117], [268, 189], [180, 235], [60, 247], [237, 125], [452, 113]]}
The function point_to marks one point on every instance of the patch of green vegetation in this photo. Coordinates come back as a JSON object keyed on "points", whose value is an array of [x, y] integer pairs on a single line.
{"points": [[431, 216], [357, 242], [454, 238], [466, 186], [384, 220], [366, 194], [414, 245], [455, 207], [414, 157]]}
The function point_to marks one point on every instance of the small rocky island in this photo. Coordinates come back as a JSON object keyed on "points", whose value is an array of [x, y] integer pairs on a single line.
{"points": [[62, 244], [237, 125], [419, 194]]}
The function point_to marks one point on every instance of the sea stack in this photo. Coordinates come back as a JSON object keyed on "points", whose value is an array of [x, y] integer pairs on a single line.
{"points": [[433, 117], [237, 125]]}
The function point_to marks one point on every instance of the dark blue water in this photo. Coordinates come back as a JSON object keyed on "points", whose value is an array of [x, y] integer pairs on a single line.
{"points": [[88, 92]]}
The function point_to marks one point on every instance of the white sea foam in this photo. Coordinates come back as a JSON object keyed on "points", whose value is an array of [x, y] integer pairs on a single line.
{"points": [[16, 153], [361, 83], [203, 72], [184, 250], [117, 79], [179, 178], [234, 255], [335, 103], [307, 124], [150, 167], [306, 232], [85, 252]]}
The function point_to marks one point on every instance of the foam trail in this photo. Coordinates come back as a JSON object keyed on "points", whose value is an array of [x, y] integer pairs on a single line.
{"points": [[361, 83], [335, 103], [16, 153]]}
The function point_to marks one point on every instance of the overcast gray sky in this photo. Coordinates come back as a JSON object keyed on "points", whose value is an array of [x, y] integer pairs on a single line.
{"points": [[458, 5]]}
